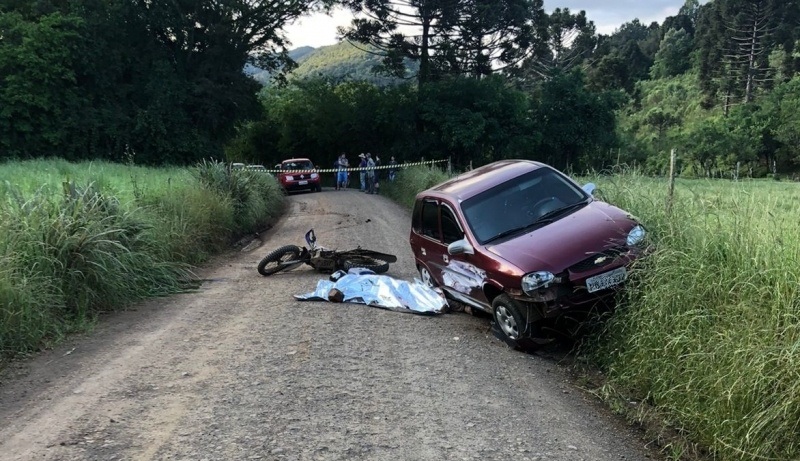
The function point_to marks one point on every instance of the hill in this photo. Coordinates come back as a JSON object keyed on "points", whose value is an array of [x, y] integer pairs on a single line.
{"points": [[342, 61]]}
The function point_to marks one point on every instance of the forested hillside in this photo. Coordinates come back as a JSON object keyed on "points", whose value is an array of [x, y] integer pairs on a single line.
{"points": [[715, 83], [162, 82], [340, 62]]}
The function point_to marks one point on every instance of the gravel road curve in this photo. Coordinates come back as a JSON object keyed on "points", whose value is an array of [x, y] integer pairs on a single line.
{"points": [[239, 370]]}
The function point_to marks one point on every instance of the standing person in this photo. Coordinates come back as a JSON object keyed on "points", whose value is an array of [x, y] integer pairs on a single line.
{"points": [[392, 169], [362, 173], [377, 174], [370, 174], [341, 174]]}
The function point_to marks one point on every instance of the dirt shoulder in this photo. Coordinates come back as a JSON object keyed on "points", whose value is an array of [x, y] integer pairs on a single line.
{"points": [[241, 370]]}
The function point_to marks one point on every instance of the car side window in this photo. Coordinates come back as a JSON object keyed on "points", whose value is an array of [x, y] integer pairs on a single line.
{"points": [[416, 217], [451, 231], [430, 220]]}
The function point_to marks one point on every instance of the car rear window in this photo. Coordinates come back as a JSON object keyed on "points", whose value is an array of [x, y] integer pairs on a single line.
{"points": [[294, 166], [502, 207]]}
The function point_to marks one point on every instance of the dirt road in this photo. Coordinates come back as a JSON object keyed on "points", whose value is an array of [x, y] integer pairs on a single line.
{"points": [[240, 370]]}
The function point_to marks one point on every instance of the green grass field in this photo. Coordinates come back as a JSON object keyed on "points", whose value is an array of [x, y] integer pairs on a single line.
{"points": [[710, 334]]}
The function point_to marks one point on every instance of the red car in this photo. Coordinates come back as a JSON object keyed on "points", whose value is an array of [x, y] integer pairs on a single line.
{"points": [[524, 243], [299, 174]]}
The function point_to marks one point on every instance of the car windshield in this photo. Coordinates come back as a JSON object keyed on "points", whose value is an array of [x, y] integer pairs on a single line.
{"points": [[525, 202], [299, 165]]}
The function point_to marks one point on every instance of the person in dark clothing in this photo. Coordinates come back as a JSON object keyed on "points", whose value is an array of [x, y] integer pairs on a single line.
{"points": [[362, 173], [392, 169], [370, 174]]}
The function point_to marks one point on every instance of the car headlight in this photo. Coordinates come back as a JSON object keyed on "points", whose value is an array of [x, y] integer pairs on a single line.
{"points": [[535, 280], [636, 235], [314, 176], [290, 178]]}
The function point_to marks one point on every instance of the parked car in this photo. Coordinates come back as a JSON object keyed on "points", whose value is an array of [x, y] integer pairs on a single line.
{"points": [[299, 174], [523, 242]]}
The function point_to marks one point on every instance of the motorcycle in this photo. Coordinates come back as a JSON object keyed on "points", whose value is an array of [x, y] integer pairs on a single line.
{"points": [[323, 259]]}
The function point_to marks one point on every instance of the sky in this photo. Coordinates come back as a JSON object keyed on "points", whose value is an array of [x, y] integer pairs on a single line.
{"points": [[320, 29]]}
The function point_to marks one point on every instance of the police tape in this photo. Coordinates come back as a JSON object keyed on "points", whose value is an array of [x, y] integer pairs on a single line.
{"points": [[396, 166]]}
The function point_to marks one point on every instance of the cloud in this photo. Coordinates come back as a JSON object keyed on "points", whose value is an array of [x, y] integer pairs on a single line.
{"points": [[608, 15], [318, 29]]}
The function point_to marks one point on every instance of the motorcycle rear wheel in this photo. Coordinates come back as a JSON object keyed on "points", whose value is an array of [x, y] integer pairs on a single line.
{"points": [[366, 262], [285, 257]]}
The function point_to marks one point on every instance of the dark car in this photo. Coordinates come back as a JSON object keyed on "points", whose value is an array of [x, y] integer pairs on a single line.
{"points": [[299, 174], [524, 243]]}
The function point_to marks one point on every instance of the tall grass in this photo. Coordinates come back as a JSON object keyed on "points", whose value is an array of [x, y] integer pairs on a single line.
{"points": [[70, 250], [710, 335], [411, 181]]}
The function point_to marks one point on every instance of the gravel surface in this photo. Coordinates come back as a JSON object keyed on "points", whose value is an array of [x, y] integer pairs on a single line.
{"points": [[240, 370]]}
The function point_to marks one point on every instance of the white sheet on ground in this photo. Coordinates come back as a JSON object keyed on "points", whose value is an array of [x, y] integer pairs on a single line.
{"points": [[382, 291]]}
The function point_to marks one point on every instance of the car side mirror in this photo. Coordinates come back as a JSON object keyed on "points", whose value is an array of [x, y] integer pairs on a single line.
{"points": [[460, 247], [589, 188]]}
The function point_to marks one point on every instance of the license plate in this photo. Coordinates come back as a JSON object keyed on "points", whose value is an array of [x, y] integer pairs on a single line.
{"points": [[302, 183], [606, 280]]}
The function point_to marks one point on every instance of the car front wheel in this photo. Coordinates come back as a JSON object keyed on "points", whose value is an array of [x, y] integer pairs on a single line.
{"points": [[425, 277], [517, 324], [509, 317]]}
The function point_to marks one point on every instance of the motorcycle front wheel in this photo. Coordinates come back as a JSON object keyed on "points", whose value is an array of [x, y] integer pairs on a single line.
{"points": [[285, 257], [366, 262]]}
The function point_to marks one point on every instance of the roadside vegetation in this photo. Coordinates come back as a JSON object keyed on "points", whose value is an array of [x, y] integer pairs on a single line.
{"points": [[79, 239], [707, 337], [706, 341]]}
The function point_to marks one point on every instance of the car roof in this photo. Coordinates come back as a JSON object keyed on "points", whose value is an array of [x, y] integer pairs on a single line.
{"points": [[474, 182], [296, 160]]}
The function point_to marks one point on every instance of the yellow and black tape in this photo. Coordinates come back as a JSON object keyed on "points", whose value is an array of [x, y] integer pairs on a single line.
{"points": [[397, 166]]}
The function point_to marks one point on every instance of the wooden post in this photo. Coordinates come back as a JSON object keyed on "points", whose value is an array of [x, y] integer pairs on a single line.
{"points": [[671, 180]]}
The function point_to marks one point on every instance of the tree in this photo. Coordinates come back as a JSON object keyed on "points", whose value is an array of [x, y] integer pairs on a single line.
{"points": [[625, 57], [735, 39], [492, 35], [671, 58], [578, 126], [40, 100], [446, 36], [161, 78], [570, 39], [781, 110], [480, 121]]}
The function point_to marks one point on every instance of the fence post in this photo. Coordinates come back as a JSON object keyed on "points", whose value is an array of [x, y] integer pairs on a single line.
{"points": [[449, 166], [671, 180]]}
